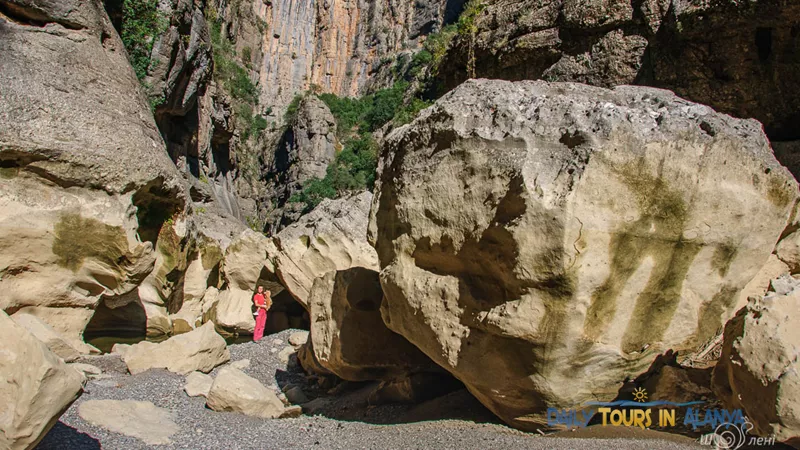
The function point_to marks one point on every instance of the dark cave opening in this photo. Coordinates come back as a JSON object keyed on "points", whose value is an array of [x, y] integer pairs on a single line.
{"points": [[126, 323], [154, 206], [764, 43], [286, 313]]}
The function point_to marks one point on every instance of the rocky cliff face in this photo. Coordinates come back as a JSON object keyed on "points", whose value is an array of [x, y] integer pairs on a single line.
{"points": [[86, 183], [338, 45], [740, 58]]}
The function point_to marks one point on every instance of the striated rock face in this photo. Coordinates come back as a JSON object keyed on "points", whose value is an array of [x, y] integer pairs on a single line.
{"points": [[737, 57], [543, 242], [331, 237], [339, 45], [307, 148], [348, 336], [86, 183], [181, 60], [758, 369], [36, 387]]}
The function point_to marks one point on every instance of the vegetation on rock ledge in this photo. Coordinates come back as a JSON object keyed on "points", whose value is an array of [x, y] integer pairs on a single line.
{"points": [[355, 165], [141, 23]]}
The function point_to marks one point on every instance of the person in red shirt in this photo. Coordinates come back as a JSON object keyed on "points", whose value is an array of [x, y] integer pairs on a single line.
{"points": [[263, 301]]}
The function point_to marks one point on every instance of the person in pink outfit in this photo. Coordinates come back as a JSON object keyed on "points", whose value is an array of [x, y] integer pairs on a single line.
{"points": [[263, 301]]}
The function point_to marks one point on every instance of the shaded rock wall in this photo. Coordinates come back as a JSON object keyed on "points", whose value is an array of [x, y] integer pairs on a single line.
{"points": [[740, 58]]}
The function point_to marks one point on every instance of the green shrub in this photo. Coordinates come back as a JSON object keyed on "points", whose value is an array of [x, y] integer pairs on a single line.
{"points": [[466, 21], [419, 62], [410, 111], [437, 44], [291, 110], [385, 104], [353, 169], [348, 112], [142, 22]]}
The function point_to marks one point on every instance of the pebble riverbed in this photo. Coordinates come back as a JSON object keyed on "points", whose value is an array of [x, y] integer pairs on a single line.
{"points": [[342, 425]]}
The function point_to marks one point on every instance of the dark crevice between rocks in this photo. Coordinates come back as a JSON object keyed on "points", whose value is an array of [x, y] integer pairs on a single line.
{"points": [[154, 205], [12, 162], [763, 38], [286, 313], [180, 135], [114, 11], [32, 16], [116, 319]]}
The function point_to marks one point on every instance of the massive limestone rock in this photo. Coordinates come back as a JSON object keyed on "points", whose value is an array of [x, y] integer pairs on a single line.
{"points": [[199, 350], [331, 237], [85, 181], [545, 241], [758, 368], [209, 236], [339, 46], [348, 337], [235, 391], [36, 387]]}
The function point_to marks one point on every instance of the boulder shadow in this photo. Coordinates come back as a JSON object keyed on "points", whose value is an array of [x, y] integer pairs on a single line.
{"points": [[63, 436]]}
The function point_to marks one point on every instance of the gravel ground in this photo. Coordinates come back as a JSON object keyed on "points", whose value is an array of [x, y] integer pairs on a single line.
{"points": [[365, 428]]}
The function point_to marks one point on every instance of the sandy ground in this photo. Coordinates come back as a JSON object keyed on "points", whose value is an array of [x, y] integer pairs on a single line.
{"points": [[344, 421]]}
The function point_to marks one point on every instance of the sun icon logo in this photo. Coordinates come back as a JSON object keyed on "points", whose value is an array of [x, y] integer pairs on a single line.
{"points": [[640, 395]]}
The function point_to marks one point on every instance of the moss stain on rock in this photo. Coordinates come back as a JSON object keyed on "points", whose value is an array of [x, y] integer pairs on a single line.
{"points": [[9, 172], [778, 192], [657, 234], [78, 238], [210, 253], [710, 318], [723, 256]]}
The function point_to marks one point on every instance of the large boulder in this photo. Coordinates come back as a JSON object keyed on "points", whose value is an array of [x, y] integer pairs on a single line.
{"points": [[36, 387], [199, 350], [235, 391], [331, 237], [43, 332], [198, 384], [85, 181], [759, 369], [544, 242], [348, 337]]}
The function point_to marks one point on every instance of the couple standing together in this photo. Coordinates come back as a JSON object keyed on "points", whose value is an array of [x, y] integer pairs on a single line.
{"points": [[263, 301]]}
